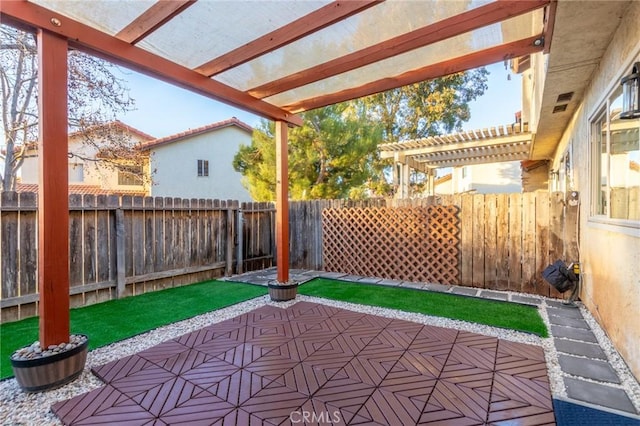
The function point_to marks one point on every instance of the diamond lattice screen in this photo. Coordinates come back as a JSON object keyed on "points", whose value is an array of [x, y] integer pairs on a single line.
{"points": [[411, 244]]}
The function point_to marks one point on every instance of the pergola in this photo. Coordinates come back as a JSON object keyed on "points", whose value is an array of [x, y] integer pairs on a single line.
{"points": [[274, 59], [510, 142]]}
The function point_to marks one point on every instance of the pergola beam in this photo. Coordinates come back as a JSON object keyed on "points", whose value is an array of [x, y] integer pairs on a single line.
{"points": [[473, 152], [53, 194], [89, 39], [481, 58], [418, 166], [438, 149], [152, 19], [483, 159], [308, 24], [429, 34]]}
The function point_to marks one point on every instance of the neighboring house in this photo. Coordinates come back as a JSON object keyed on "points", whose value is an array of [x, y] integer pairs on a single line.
{"points": [[481, 179], [83, 170], [205, 167], [443, 185], [205, 171]]}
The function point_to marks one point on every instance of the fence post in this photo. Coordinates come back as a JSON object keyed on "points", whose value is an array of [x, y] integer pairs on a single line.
{"points": [[240, 236], [120, 266], [228, 271]]}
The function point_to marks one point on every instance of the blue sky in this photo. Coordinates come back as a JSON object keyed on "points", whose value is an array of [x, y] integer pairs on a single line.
{"points": [[163, 109]]}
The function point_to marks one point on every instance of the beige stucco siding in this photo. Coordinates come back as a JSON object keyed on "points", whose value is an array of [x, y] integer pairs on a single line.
{"points": [[609, 250]]}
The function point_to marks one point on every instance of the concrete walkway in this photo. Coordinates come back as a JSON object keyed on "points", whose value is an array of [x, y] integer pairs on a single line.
{"points": [[588, 371]]}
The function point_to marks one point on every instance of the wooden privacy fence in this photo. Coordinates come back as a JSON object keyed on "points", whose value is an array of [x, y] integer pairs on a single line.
{"points": [[505, 240], [305, 229], [135, 244], [411, 243], [129, 245]]}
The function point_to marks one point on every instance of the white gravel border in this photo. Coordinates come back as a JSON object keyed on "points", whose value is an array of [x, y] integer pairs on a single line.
{"points": [[19, 408]]}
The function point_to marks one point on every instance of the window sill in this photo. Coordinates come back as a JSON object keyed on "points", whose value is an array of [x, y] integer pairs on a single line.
{"points": [[627, 227]]}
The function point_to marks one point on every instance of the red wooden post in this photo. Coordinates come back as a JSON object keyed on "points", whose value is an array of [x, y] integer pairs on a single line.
{"points": [[282, 202], [53, 194]]}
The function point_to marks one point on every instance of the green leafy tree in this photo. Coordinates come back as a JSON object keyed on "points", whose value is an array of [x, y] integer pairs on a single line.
{"points": [[334, 154], [420, 110], [429, 108], [329, 155]]}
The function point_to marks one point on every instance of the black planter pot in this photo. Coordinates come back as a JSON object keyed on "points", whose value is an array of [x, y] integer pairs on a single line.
{"points": [[50, 372], [283, 292]]}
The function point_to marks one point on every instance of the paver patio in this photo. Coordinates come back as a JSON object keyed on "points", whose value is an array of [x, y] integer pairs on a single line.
{"points": [[276, 366]]}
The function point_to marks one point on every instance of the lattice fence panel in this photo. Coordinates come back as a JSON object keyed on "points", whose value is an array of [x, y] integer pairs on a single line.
{"points": [[412, 244]]}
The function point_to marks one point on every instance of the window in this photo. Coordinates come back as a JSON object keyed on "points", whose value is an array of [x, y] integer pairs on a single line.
{"points": [[130, 175], [203, 168], [76, 172], [615, 166]]}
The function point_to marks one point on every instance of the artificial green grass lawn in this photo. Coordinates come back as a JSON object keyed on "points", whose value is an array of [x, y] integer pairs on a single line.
{"points": [[493, 313], [116, 320]]}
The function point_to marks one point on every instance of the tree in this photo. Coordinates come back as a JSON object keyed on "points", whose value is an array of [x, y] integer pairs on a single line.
{"points": [[420, 110], [334, 154], [429, 108], [331, 154], [96, 95]]}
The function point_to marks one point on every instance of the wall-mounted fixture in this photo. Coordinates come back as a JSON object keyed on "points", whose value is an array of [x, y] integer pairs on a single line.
{"points": [[631, 93]]}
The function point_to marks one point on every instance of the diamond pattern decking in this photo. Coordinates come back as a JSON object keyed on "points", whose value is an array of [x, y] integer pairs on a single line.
{"points": [[314, 364]]}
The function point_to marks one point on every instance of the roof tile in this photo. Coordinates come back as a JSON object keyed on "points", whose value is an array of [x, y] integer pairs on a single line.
{"points": [[233, 121]]}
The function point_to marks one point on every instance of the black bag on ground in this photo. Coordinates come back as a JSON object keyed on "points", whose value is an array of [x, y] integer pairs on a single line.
{"points": [[558, 276]]}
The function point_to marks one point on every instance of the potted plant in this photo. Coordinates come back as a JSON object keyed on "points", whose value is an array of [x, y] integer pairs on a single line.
{"points": [[38, 369]]}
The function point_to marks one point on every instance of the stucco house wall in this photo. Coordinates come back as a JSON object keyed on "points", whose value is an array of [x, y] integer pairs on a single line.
{"points": [[88, 172], [494, 178], [609, 248], [176, 165]]}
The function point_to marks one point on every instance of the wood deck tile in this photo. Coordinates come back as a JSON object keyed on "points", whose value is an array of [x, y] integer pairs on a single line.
{"points": [[239, 387], [243, 355], [185, 361], [331, 365], [389, 408], [421, 363], [120, 368], [217, 346], [210, 372], [449, 401], [274, 403], [160, 353], [142, 380], [105, 405], [304, 378]]}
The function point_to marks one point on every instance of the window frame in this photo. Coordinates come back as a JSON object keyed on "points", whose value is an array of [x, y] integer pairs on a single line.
{"points": [[125, 175], [601, 215], [202, 168]]}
